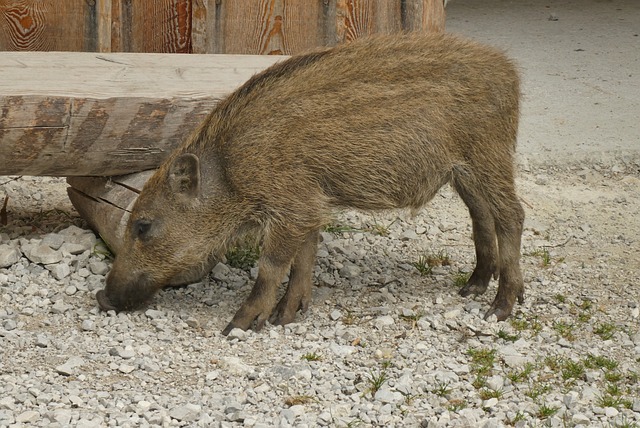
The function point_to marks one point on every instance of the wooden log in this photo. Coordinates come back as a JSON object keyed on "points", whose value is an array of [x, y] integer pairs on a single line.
{"points": [[78, 114], [106, 203]]}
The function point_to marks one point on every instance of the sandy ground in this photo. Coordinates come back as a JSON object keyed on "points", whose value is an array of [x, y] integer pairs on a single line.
{"points": [[581, 67]]}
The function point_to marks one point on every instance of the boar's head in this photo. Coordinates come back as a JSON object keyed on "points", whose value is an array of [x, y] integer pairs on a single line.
{"points": [[173, 236]]}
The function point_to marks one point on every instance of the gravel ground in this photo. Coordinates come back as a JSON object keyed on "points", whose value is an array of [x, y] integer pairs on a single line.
{"points": [[383, 344]]}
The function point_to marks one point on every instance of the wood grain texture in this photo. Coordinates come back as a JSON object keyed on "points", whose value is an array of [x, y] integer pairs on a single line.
{"points": [[423, 15], [104, 14], [107, 114], [199, 24], [161, 26], [48, 25], [264, 27], [294, 26], [361, 18]]}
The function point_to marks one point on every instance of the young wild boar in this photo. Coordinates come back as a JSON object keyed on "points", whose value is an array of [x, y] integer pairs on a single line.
{"points": [[376, 124]]}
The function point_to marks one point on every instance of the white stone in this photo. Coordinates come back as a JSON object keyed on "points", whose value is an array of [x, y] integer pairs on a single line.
{"points": [[62, 416], [9, 255], [611, 412], [342, 350], [452, 314], [59, 270], [71, 248], [153, 314], [570, 399], [126, 368], [495, 383], [43, 254], [235, 365], [383, 321], [59, 307], [53, 240], [187, 413], [127, 352], [237, 333], [220, 271], [335, 315], [387, 396], [7, 403], [350, 271], [30, 416], [98, 267], [70, 366], [491, 402], [580, 419], [87, 325]]}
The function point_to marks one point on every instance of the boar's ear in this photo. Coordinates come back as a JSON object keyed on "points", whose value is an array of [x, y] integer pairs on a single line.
{"points": [[184, 175]]}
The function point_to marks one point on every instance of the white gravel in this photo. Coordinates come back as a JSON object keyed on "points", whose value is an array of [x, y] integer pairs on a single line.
{"points": [[374, 320]]}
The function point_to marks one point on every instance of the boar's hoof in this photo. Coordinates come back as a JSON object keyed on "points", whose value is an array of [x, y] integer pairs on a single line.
{"points": [[254, 311], [287, 309], [475, 285], [103, 301], [257, 327], [501, 310], [244, 323]]}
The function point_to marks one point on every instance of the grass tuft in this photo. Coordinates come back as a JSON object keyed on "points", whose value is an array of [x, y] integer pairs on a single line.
{"points": [[605, 331], [243, 256], [311, 356]]}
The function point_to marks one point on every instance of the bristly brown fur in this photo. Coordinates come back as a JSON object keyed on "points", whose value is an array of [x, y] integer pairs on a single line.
{"points": [[378, 123]]}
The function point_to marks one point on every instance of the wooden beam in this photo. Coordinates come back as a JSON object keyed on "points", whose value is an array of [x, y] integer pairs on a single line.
{"points": [[74, 114]]}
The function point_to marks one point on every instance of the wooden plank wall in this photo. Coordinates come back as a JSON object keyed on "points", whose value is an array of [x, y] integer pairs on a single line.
{"points": [[206, 26], [47, 25]]}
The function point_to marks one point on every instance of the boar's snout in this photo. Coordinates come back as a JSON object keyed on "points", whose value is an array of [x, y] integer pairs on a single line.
{"points": [[125, 295]]}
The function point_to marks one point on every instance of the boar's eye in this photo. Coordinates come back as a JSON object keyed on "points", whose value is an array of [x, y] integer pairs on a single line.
{"points": [[140, 228]]}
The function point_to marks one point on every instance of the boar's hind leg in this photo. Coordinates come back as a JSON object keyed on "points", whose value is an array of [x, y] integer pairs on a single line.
{"points": [[298, 295], [484, 239], [509, 219], [496, 213], [278, 250]]}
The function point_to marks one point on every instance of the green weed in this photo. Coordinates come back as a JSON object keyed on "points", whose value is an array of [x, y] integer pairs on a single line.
{"points": [[564, 329], [422, 266], [547, 411], [605, 331], [442, 389], [522, 374], [311, 356], [243, 256], [572, 370], [502, 334], [460, 279]]}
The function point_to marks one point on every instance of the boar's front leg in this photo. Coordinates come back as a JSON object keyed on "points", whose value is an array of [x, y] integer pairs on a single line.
{"points": [[298, 295], [278, 251]]}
